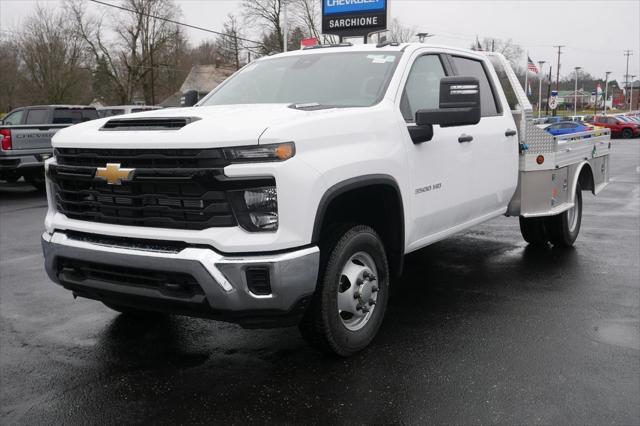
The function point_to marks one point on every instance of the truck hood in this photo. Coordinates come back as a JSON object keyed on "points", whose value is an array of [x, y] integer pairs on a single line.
{"points": [[214, 126]]}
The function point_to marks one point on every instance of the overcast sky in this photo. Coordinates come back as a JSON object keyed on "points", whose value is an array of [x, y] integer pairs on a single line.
{"points": [[595, 32]]}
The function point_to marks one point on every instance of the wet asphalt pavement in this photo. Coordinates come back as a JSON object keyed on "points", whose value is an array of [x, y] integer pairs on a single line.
{"points": [[480, 329]]}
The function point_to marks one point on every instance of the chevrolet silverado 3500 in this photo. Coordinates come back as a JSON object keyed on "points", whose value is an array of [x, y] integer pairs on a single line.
{"points": [[290, 194]]}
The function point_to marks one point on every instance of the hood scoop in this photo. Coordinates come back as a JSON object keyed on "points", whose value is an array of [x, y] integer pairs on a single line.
{"points": [[148, 123]]}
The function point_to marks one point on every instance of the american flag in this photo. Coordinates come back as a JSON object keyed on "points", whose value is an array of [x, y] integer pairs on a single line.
{"points": [[531, 66]]}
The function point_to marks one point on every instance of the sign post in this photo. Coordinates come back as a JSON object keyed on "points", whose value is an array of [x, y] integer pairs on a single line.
{"points": [[353, 18], [553, 100]]}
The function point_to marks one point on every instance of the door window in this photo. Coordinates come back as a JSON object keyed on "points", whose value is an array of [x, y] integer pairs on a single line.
{"points": [[473, 68], [36, 116], [422, 90], [13, 119]]}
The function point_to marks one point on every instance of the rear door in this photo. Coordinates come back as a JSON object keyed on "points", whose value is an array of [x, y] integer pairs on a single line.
{"points": [[494, 148]]}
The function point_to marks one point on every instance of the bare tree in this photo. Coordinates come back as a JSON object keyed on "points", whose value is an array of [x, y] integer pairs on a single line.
{"points": [[54, 60], [10, 81], [131, 59], [508, 48], [229, 45], [308, 16], [399, 32], [267, 14]]}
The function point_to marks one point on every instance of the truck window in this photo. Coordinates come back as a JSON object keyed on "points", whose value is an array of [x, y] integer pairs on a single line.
{"points": [[14, 118], [73, 115], [474, 68], [504, 81], [89, 114], [345, 79], [422, 90], [36, 116]]}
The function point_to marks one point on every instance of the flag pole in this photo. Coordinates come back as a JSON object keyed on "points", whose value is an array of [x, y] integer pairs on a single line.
{"points": [[526, 74]]}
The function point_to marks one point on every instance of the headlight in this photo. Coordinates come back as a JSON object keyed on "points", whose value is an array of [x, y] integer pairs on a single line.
{"points": [[256, 209], [257, 153]]}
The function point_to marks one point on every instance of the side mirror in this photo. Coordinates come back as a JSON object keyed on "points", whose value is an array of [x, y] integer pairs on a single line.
{"points": [[459, 104]]}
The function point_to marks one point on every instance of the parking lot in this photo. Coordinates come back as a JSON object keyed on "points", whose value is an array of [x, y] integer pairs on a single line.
{"points": [[480, 329]]}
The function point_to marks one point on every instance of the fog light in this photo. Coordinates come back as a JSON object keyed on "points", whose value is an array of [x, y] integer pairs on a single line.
{"points": [[256, 209]]}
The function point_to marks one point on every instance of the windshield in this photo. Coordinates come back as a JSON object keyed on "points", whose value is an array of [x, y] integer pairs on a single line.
{"points": [[322, 79]]}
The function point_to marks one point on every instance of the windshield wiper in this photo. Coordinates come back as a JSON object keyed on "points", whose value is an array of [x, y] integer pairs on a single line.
{"points": [[315, 106]]}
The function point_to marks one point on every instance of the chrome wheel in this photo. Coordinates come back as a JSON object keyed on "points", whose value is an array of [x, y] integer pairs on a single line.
{"points": [[357, 291]]}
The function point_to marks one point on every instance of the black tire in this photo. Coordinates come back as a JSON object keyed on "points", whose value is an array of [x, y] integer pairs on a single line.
{"points": [[565, 227], [133, 312], [534, 230], [36, 179], [11, 177], [322, 325], [627, 133]]}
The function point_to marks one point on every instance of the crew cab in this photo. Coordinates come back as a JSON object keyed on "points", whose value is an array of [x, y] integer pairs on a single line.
{"points": [[617, 126], [291, 193], [25, 138]]}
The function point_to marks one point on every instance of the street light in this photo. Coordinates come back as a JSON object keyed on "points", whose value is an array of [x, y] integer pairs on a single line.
{"points": [[575, 93], [540, 64], [422, 36], [606, 84]]}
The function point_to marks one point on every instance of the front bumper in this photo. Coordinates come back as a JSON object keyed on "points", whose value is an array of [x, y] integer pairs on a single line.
{"points": [[225, 292]]}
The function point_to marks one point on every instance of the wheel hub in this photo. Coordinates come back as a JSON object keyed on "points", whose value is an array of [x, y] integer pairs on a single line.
{"points": [[358, 291]]}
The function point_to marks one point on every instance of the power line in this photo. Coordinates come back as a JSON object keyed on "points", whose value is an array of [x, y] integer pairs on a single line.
{"points": [[177, 22]]}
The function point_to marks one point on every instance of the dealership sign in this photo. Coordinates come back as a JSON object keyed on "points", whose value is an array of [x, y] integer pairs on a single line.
{"points": [[353, 17]]}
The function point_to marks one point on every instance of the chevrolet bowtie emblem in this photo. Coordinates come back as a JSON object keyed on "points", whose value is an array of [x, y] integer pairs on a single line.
{"points": [[113, 174]]}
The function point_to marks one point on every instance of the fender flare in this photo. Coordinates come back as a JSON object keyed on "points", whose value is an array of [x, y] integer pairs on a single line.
{"points": [[354, 183], [576, 178]]}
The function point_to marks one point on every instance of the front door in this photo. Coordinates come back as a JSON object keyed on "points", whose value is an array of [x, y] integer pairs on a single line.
{"points": [[442, 168]]}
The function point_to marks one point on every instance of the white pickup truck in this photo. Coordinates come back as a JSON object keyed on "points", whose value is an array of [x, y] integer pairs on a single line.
{"points": [[291, 193]]}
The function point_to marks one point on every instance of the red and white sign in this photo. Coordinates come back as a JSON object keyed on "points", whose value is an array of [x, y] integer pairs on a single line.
{"points": [[308, 42]]}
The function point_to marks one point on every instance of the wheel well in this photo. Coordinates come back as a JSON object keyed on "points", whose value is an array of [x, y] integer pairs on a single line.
{"points": [[378, 205], [585, 179]]}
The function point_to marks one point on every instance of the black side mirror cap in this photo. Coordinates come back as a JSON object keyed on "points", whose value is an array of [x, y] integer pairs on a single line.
{"points": [[420, 134], [459, 103]]}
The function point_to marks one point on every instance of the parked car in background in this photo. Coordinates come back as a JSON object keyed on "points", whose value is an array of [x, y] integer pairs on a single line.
{"points": [[110, 111], [25, 138], [617, 126], [549, 120], [565, 128]]}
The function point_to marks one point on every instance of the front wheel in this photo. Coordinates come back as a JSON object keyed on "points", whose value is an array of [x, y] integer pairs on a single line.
{"points": [[351, 298], [627, 133]]}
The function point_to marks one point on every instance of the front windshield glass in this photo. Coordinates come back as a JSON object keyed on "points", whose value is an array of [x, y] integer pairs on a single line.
{"points": [[343, 79]]}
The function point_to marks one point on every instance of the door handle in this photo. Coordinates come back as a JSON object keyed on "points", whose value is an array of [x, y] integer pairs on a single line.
{"points": [[465, 138], [510, 132]]}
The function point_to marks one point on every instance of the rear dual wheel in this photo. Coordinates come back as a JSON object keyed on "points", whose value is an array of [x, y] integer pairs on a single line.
{"points": [[561, 230]]}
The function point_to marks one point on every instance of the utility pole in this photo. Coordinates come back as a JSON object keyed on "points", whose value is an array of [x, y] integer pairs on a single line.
{"points": [[575, 93], [284, 25], [631, 94], [606, 84], [540, 64], [559, 47], [627, 53]]}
